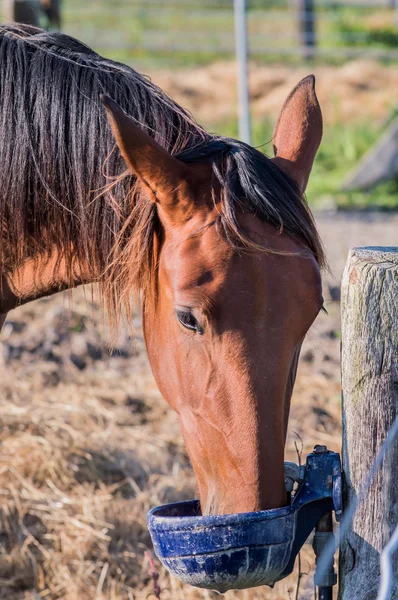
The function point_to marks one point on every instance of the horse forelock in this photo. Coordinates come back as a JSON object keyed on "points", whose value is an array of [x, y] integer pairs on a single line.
{"points": [[248, 179]]}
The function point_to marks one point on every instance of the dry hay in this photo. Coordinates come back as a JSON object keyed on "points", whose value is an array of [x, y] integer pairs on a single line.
{"points": [[357, 90], [87, 447]]}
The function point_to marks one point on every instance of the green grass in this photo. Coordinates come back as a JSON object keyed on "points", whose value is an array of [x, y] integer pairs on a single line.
{"points": [[152, 33], [376, 29], [342, 147]]}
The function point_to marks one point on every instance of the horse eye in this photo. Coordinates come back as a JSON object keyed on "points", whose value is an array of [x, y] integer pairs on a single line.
{"points": [[187, 319]]}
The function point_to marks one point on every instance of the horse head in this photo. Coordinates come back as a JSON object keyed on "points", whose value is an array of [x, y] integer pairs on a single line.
{"points": [[235, 289]]}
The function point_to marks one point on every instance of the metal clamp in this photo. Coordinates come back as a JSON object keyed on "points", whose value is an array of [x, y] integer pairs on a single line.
{"points": [[293, 474]]}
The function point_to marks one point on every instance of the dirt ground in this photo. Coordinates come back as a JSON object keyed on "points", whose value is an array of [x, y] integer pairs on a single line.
{"points": [[354, 91], [87, 445]]}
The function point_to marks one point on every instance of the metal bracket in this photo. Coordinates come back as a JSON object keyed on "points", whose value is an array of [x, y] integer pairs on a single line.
{"points": [[319, 492]]}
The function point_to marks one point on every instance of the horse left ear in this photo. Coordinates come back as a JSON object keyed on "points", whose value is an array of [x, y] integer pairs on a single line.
{"points": [[298, 132], [165, 177]]}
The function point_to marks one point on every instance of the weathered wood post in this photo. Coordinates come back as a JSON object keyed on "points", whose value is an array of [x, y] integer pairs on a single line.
{"points": [[370, 403]]}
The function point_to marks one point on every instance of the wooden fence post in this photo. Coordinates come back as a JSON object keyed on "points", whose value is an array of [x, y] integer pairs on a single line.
{"points": [[306, 16], [370, 404]]}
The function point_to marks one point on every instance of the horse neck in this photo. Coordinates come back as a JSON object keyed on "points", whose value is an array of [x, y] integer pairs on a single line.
{"points": [[39, 277]]}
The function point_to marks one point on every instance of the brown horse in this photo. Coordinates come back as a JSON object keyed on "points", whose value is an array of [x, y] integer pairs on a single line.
{"points": [[215, 237]]}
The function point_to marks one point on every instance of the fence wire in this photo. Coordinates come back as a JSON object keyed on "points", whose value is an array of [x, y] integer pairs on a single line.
{"points": [[386, 567], [348, 516]]}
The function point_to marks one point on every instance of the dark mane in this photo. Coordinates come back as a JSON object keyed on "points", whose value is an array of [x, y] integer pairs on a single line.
{"points": [[63, 180]]}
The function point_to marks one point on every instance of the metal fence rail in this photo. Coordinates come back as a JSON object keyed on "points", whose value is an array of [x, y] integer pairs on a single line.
{"points": [[195, 31]]}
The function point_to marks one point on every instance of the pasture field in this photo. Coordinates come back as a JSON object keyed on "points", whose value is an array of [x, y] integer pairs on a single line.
{"points": [[88, 445]]}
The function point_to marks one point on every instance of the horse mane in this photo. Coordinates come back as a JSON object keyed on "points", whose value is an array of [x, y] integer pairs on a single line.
{"points": [[64, 184]]}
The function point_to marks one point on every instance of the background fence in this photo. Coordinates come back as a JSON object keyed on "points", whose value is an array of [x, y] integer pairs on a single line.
{"points": [[287, 39], [187, 32]]}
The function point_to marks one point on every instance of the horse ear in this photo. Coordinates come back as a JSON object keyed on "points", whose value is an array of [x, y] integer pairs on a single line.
{"points": [[298, 132], [166, 178]]}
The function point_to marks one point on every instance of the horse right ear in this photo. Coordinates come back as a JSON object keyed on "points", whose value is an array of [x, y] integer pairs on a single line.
{"points": [[298, 132], [165, 177]]}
